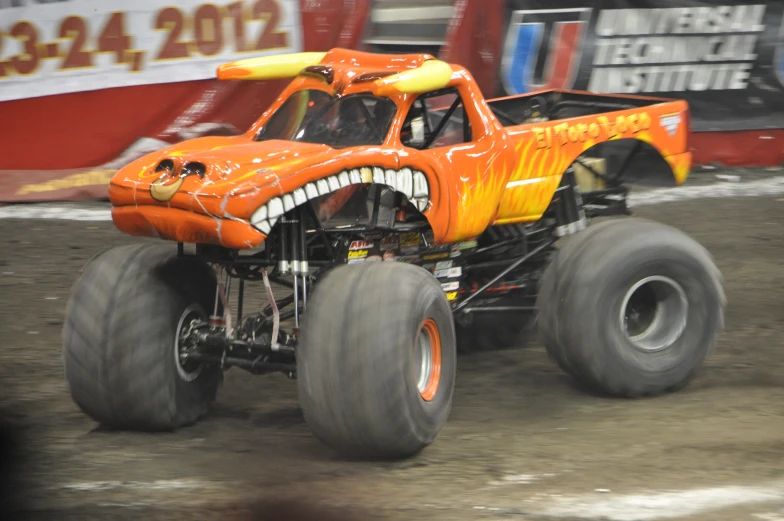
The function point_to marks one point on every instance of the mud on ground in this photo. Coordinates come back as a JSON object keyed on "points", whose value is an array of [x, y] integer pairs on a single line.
{"points": [[521, 442]]}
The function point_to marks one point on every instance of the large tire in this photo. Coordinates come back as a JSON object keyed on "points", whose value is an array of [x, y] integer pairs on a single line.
{"points": [[358, 364], [547, 305], [583, 311], [119, 339]]}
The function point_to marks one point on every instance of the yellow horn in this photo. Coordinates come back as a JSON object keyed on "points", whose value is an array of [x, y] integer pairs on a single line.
{"points": [[431, 75], [275, 67]]}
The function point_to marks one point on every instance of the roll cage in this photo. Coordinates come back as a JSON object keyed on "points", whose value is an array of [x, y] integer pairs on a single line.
{"points": [[362, 119]]}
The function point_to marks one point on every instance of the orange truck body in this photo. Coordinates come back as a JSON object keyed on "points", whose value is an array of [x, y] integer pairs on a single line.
{"points": [[505, 174]]}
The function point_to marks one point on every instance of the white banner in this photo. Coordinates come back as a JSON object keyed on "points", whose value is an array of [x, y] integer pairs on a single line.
{"points": [[81, 45]]}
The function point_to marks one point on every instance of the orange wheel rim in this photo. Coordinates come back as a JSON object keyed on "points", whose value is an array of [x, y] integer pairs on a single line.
{"points": [[429, 362]]}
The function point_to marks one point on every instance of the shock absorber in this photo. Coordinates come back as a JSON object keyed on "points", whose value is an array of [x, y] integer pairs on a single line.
{"points": [[293, 227], [283, 262], [303, 263], [569, 212]]}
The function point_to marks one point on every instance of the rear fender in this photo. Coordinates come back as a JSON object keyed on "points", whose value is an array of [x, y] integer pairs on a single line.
{"points": [[640, 162]]}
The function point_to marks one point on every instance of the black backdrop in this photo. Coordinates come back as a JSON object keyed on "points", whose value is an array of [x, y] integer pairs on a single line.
{"points": [[725, 58]]}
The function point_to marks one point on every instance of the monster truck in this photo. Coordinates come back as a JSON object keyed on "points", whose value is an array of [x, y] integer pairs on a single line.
{"points": [[392, 209]]}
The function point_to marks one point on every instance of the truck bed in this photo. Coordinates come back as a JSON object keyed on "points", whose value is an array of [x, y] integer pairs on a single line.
{"points": [[513, 111]]}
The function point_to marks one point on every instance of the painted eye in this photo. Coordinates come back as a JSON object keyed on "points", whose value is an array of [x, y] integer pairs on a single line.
{"points": [[167, 165], [194, 168]]}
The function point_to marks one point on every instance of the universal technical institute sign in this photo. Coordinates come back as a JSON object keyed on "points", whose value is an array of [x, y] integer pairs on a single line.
{"points": [[675, 50], [725, 58]]}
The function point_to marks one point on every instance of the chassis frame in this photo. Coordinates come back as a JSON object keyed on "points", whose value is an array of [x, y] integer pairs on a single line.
{"points": [[505, 265]]}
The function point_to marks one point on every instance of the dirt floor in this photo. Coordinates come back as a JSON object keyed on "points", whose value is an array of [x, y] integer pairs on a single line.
{"points": [[522, 442]]}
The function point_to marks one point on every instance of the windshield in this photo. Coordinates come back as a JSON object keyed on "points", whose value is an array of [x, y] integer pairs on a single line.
{"points": [[313, 116]]}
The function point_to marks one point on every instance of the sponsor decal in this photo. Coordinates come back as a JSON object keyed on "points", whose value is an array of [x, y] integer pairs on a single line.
{"points": [[670, 122], [438, 247], [564, 133], [449, 273], [356, 261], [408, 258], [409, 242], [49, 48], [360, 245], [543, 49], [677, 49], [358, 254], [389, 256], [451, 296], [433, 256], [443, 265], [390, 242], [450, 286]]}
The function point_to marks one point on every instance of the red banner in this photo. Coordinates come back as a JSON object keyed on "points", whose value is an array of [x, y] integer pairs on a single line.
{"points": [[65, 146]]}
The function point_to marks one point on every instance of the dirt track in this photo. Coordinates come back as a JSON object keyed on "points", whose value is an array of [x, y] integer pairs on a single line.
{"points": [[522, 442]]}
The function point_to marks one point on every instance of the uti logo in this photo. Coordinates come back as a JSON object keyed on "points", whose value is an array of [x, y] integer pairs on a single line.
{"points": [[543, 49]]}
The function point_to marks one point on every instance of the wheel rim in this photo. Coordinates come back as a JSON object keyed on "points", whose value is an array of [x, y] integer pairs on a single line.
{"points": [[654, 313], [187, 370], [429, 360]]}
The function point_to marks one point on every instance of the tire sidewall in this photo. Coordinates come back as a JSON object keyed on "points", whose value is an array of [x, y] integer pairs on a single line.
{"points": [[357, 367], [637, 367], [428, 416], [188, 394], [119, 339]]}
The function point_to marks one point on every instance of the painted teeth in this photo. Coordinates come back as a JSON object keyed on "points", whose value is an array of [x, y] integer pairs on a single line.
{"points": [[299, 197], [275, 207], [412, 184], [391, 179], [378, 176], [259, 215], [420, 185], [288, 202], [311, 191], [404, 183], [323, 187], [265, 227], [343, 179]]}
